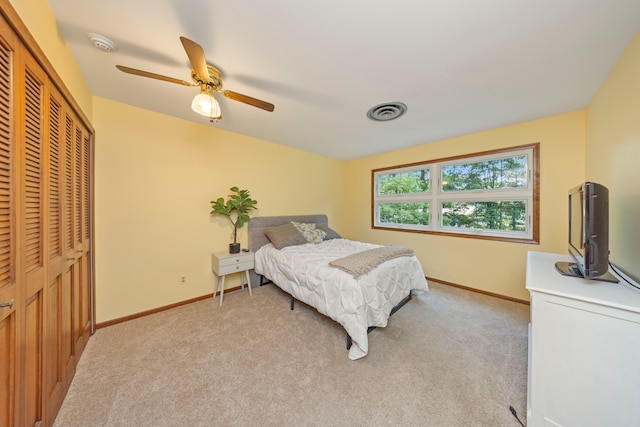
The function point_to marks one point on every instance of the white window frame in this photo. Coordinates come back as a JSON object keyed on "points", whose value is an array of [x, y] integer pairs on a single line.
{"points": [[436, 197]]}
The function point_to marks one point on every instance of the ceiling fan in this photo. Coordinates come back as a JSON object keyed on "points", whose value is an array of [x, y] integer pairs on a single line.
{"points": [[208, 78]]}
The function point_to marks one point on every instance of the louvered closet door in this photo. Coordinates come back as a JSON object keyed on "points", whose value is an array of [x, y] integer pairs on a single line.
{"points": [[77, 245], [81, 235], [8, 322], [58, 350], [31, 223]]}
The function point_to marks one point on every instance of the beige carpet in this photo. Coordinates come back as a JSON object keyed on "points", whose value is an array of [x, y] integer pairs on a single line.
{"points": [[448, 358]]}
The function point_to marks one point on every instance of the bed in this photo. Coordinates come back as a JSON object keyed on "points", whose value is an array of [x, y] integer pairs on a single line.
{"points": [[359, 300]]}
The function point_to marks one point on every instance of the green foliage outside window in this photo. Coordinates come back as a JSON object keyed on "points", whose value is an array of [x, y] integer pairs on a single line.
{"points": [[404, 182], [486, 175], [404, 213], [497, 215]]}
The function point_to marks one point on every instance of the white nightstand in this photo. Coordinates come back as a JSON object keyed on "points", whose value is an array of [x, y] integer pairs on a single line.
{"points": [[223, 263]]}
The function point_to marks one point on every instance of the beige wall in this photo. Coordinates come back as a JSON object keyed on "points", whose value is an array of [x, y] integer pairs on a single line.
{"points": [[613, 153], [493, 266], [155, 176], [38, 17]]}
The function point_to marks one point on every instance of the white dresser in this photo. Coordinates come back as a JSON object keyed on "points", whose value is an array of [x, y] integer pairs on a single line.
{"points": [[584, 349]]}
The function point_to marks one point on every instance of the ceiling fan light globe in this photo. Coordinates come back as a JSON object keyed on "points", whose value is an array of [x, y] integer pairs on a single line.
{"points": [[206, 105]]}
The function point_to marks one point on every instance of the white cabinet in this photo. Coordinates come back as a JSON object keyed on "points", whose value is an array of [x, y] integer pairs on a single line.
{"points": [[584, 349]]}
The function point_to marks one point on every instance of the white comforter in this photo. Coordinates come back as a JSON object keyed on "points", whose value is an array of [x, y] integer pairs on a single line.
{"points": [[304, 272]]}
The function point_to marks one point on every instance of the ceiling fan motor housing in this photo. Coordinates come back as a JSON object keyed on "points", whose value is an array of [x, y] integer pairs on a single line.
{"points": [[215, 78]]}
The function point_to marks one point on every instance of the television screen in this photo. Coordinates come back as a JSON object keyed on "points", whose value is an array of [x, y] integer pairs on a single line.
{"points": [[588, 238]]}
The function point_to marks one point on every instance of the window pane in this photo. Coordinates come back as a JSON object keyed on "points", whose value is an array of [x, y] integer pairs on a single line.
{"points": [[489, 174], [498, 215], [404, 213], [404, 182]]}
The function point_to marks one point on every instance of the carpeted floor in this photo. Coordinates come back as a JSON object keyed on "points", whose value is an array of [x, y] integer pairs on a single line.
{"points": [[449, 357]]}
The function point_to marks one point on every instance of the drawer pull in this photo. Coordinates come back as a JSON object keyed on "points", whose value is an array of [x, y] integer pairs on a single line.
{"points": [[7, 304]]}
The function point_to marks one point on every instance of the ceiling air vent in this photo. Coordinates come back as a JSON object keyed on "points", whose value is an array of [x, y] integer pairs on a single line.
{"points": [[387, 111]]}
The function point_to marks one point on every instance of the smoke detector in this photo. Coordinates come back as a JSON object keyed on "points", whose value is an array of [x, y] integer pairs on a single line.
{"points": [[101, 42], [387, 111]]}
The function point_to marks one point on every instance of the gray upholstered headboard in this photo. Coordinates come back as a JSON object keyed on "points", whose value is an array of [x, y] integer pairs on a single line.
{"points": [[257, 225]]}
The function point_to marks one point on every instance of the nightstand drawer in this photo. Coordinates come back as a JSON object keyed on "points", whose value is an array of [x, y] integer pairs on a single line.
{"points": [[234, 268], [235, 259], [225, 263]]}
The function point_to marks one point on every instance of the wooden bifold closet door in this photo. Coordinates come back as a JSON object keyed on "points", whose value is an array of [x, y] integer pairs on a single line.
{"points": [[45, 233], [8, 295]]}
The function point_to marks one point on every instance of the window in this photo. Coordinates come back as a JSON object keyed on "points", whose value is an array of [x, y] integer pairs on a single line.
{"points": [[489, 195]]}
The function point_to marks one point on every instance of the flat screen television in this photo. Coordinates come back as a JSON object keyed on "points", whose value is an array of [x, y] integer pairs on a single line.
{"points": [[588, 233]]}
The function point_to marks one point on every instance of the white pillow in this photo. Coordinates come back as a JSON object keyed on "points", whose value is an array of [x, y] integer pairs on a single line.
{"points": [[310, 231]]}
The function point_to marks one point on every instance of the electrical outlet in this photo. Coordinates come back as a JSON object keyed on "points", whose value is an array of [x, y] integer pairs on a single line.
{"points": [[183, 280]]}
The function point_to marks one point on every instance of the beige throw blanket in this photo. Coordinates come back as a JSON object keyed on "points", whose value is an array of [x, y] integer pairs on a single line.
{"points": [[363, 262]]}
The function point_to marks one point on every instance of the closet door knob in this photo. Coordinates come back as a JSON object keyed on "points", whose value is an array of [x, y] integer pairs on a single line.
{"points": [[7, 304]]}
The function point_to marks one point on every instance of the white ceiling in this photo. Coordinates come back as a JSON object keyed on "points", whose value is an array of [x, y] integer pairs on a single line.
{"points": [[459, 66]]}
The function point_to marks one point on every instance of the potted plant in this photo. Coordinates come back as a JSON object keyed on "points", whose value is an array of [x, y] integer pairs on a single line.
{"points": [[236, 208]]}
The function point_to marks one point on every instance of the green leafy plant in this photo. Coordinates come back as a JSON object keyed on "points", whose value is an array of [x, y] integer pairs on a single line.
{"points": [[236, 208]]}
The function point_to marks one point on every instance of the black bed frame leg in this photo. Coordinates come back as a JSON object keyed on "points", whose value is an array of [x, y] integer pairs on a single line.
{"points": [[292, 301], [263, 281]]}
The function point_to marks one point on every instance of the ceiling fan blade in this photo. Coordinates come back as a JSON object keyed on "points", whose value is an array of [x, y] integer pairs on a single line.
{"points": [[248, 100], [152, 75], [197, 58]]}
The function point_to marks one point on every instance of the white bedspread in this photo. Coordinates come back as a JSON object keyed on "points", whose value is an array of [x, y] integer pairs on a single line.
{"points": [[304, 272]]}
